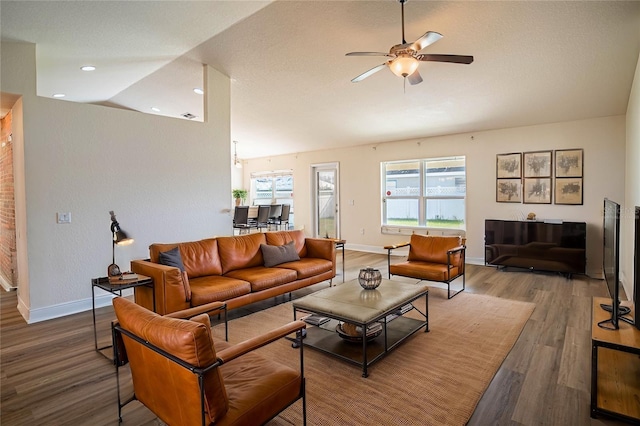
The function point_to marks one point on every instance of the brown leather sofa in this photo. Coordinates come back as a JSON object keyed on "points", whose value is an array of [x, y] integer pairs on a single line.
{"points": [[431, 258], [231, 269]]}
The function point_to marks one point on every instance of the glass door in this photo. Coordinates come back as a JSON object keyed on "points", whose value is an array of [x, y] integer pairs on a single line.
{"points": [[326, 200]]}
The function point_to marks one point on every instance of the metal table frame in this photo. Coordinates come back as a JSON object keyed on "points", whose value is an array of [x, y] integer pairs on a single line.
{"points": [[326, 339], [115, 288]]}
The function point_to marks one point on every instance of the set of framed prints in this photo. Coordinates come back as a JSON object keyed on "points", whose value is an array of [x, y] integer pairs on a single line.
{"points": [[534, 177]]}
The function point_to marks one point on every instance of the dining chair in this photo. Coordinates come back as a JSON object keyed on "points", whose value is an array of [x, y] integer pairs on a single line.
{"points": [[241, 218]]}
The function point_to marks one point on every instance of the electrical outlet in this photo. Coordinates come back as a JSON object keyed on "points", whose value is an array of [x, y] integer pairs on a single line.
{"points": [[361, 231], [64, 217]]}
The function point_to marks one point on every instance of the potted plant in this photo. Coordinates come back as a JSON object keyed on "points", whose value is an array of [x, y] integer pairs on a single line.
{"points": [[240, 195]]}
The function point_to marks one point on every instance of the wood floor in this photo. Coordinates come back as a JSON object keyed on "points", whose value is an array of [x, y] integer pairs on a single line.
{"points": [[51, 375]]}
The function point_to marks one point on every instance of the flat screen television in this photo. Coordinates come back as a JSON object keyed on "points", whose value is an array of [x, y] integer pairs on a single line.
{"points": [[611, 264]]}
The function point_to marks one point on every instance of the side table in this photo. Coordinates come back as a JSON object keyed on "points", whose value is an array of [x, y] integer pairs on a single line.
{"points": [[340, 245], [115, 286]]}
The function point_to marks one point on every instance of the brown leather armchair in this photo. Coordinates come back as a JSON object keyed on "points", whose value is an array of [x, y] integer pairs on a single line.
{"points": [[431, 258], [186, 377]]}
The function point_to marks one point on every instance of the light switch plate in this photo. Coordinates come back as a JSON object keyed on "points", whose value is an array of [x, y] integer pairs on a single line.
{"points": [[64, 217]]}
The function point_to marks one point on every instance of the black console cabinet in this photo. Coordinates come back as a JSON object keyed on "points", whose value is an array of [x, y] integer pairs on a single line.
{"points": [[557, 247]]}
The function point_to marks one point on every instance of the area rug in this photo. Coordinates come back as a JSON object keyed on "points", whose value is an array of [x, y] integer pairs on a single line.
{"points": [[434, 378]]}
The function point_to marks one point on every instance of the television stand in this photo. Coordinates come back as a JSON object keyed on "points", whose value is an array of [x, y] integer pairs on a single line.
{"points": [[615, 370], [622, 310]]}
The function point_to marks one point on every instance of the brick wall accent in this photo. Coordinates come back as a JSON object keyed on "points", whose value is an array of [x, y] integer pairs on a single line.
{"points": [[8, 266]]}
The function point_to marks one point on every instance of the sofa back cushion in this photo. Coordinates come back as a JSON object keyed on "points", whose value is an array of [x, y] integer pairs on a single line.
{"points": [[429, 248], [200, 258], [281, 238], [241, 251]]}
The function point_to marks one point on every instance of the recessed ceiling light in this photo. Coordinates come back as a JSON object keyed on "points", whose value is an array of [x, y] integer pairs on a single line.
{"points": [[198, 90], [88, 68], [155, 109], [58, 95]]}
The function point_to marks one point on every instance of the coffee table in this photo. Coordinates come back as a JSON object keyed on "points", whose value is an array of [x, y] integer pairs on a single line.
{"points": [[350, 303]]}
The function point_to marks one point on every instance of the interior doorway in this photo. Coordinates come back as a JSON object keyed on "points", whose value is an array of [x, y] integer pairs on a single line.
{"points": [[8, 252], [326, 200]]}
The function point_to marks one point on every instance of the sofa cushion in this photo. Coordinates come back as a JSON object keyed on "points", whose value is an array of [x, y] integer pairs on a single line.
{"points": [[308, 266], [262, 278], [433, 248], [275, 255], [171, 258], [239, 252], [283, 237], [216, 288], [256, 387], [200, 258], [423, 270]]}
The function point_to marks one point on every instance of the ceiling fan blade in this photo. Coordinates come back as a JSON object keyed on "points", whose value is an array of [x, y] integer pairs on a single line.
{"points": [[368, 73], [415, 78], [427, 39], [369, 54], [456, 59]]}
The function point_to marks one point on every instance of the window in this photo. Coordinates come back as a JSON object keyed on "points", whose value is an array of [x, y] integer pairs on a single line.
{"points": [[272, 188], [424, 193]]}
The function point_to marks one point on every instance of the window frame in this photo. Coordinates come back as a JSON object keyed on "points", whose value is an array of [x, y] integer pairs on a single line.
{"points": [[422, 197]]}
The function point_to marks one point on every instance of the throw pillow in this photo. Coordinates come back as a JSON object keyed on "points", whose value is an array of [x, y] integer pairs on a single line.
{"points": [[275, 255], [171, 258]]}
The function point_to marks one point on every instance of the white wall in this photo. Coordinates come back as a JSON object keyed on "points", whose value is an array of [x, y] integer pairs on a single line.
{"points": [[166, 179], [603, 141], [632, 189]]}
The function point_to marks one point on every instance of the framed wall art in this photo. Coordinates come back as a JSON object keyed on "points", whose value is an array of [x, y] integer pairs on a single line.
{"points": [[569, 163], [509, 165], [509, 190], [537, 191], [537, 164], [568, 191]]}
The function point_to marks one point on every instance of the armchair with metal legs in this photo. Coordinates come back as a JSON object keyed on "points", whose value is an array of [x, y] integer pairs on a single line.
{"points": [[185, 376], [432, 258]]}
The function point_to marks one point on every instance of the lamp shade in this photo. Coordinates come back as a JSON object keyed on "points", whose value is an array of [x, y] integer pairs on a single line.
{"points": [[119, 237]]}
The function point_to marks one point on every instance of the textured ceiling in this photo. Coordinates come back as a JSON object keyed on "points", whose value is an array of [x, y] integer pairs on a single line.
{"points": [[535, 62]]}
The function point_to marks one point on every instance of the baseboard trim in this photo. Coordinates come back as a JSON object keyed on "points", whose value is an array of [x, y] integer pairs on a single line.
{"points": [[68, 308], [6, 285]]}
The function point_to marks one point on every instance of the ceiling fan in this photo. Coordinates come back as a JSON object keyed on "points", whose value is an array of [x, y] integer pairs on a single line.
{"points": [[405, 57]]}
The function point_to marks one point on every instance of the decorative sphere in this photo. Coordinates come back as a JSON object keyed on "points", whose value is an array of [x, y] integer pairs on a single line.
{"points": [[369, 278]]}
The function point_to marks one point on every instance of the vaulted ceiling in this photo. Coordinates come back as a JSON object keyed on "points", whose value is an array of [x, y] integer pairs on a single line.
{"points": [[291, 90]]}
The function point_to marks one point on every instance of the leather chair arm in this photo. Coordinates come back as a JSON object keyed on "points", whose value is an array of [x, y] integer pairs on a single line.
{"points": [[456, 249], [460, 249], [249, 345], [202, 309], [395, 246]]}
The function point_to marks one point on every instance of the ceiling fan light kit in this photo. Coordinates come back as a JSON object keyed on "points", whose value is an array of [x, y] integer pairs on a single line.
{"points": [[405, 57], [404, 66]]}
